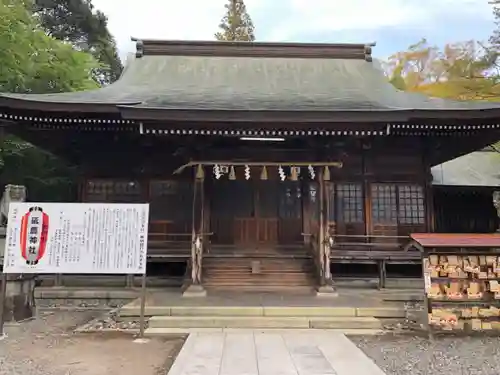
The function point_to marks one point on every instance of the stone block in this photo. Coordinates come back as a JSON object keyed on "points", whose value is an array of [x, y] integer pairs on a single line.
{"points": [[381, 312], [195, 291], [345, 323], [19, 298], [227, 322], [309, 311], [217, 311], [327, 291]]}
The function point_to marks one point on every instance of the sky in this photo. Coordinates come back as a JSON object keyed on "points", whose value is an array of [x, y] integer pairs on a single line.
{"points": [[392, 24]]}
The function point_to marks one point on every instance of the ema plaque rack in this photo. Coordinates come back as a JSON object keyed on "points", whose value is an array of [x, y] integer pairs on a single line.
{"points": [[463, 291], [462, 282]]}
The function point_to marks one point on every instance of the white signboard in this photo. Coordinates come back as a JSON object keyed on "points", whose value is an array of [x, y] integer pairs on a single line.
{"points": [[76, 238]]}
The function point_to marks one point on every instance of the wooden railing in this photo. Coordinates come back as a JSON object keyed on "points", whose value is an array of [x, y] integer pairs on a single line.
{"points": [[373, 249], [368, 242]]}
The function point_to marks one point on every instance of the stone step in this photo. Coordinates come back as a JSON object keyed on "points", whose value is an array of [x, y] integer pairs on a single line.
{"points": [[251, 286], [264, 262], [259, 279], [263, 269], [308, 289], [159, 332], [233, 285], [247, 267], [272, 311], [248, 270], [264, 322]]}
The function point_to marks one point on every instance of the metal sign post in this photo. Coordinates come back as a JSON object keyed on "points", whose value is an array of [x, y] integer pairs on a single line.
{"points": [[3, 297], [143, 306]]}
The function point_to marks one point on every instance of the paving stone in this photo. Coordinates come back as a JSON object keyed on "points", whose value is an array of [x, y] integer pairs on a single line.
{"points": [[381, 312], [216, 311], [256, 353], [309, 311]]}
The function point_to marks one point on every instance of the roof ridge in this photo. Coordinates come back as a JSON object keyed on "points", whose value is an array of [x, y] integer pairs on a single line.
{"points": [[148, 47]]}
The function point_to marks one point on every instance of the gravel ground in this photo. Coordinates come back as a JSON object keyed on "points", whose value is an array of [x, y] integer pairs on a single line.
{"points": [[111, 320], [48, 346], [398, 355], [45, 304]]}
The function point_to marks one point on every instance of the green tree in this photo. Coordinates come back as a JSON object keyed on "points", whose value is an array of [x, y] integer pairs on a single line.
{"points": [[33, 62], [237, 24], [78, 23]]}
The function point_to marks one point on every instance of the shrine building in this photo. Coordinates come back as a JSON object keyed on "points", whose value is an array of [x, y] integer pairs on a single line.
{"points": [[264, 163]]}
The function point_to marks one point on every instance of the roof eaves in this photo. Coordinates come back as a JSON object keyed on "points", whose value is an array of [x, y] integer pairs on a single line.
{"points": [[29, 103], [244, 115]]}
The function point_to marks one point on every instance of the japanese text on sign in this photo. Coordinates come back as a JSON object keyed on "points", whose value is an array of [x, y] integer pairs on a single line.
{"points": [[76, 238]]}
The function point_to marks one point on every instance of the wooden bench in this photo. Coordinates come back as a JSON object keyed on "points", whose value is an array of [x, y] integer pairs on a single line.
{"points": [[377, 253]]}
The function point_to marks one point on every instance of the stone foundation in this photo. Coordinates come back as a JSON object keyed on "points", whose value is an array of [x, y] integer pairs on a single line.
{"points": [[19, 301], [195, 291]]}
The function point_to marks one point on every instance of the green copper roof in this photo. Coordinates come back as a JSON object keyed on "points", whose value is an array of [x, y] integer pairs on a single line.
{"points": [[255, 84], [480, 168]]}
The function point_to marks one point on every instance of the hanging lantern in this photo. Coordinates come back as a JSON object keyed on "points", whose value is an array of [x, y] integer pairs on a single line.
{"points": [[263, 174], [294, 173], [281, 172], [326, 174], [200, 173], [232, 173], [312, 173], [247, 172]]}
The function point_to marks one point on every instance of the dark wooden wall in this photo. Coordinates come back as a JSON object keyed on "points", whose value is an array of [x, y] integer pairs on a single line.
{"points": [[460, 209], [382, 188]]}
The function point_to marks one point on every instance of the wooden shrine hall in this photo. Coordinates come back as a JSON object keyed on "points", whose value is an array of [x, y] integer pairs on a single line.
{"points": [[263, 163]]}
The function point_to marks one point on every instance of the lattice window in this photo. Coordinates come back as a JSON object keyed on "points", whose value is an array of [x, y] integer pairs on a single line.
{"points": [[384, 203], [110, 191], [398, 203], [349, 201], [411, 204]]}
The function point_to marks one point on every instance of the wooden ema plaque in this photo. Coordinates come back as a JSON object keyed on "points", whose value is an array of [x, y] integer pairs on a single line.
{"points": [[462, 291]]}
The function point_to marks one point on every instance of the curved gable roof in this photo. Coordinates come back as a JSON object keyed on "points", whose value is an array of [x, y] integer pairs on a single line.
{"points": [[254, 77]]}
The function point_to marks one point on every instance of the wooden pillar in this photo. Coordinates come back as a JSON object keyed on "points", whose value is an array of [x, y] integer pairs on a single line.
{"points": [[321, 235], [326, 285], [306, 213], [328, 274], [430, 215], [367, 198], [429, 206], [197, 235]]}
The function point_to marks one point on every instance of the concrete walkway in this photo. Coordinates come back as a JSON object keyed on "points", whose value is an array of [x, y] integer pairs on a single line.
{"points": [[255, 353]]}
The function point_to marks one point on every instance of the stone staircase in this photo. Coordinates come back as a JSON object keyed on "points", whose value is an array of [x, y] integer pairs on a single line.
{"points": [[185, 319], [259, 274]]}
